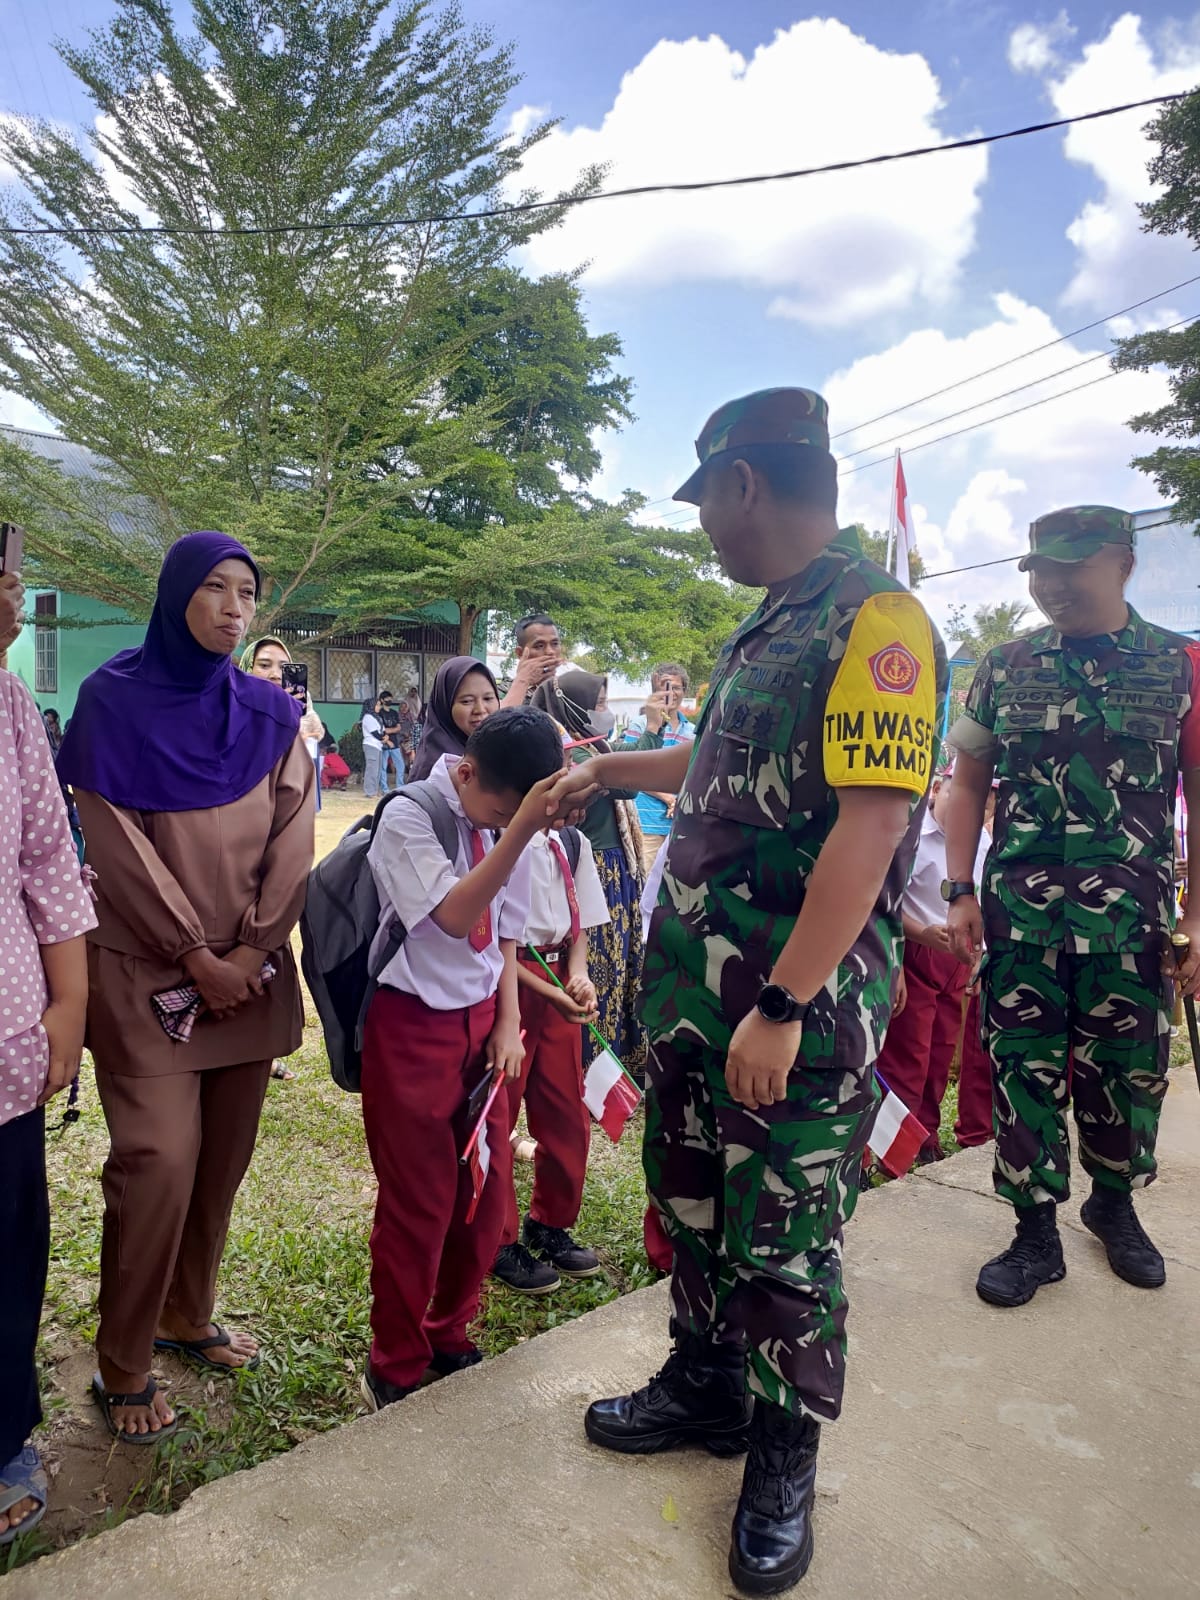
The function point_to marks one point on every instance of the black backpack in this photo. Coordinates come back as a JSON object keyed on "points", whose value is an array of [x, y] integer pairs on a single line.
{"points": [[339, 924]]}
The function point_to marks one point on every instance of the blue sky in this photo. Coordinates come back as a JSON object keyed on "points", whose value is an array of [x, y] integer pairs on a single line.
{"points": [[876, 288]]}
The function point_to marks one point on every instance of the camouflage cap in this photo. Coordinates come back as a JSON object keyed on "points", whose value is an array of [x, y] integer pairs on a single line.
{"points": [[768, 416], [1076, 533]]}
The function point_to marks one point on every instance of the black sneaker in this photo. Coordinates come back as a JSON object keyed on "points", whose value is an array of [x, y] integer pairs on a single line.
{"points": [[378, 1392], [443, 1362], [1033, 1258], [1109, 1214], [556, 1246], [516, 1268]]}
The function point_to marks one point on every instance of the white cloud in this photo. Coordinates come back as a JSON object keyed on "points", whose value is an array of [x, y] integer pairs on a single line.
{"points": [[1117, 262], [834, 249], [999, 476], [1033, 47]]}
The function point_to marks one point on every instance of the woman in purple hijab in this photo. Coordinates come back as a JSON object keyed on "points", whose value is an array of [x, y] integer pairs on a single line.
{"points": [[464, 693], [195, 794]]}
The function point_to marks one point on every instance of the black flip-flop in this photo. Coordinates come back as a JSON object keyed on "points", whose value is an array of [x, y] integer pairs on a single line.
{"points": [[107, 1402], [193, 1350]]}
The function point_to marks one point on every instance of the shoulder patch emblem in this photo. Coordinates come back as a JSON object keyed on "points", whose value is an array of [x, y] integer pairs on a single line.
{"points": [[894, 669]]}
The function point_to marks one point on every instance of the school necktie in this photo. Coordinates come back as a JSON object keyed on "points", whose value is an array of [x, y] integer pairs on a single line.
{"points": [[480, 935], [560, 855]]}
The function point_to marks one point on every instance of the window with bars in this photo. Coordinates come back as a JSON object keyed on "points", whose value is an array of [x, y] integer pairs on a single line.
{"points": [[349, 675], [398, 671], [45, 645]]}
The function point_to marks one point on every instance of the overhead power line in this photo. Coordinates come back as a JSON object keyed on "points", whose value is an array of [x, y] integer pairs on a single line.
{"points": [[1037, 349], [1061, 372], [524, 207], [1003, 561], [986, 422]]}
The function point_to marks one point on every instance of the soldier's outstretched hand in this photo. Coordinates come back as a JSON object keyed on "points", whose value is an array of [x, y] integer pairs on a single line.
{"points": [[761, 1055], [965, 922]]}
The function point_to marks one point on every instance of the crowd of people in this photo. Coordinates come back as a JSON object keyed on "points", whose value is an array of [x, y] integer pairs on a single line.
{"points": [[833, 901]]}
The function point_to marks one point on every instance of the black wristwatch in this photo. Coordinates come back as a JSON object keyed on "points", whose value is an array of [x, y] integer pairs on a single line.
{"points": [[954, 888], [779, 1005]]}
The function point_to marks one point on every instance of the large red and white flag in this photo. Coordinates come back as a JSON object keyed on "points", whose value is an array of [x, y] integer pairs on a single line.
{"points": [[896, 1135], [902, 528], [610, 1094]]}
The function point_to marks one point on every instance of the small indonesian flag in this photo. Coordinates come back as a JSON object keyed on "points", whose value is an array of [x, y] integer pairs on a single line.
{"points": [[896, 1136], [902, 528], [610, 1094], [479, 1161]]}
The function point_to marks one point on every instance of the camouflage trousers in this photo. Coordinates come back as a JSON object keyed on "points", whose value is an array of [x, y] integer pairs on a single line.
{"points": [[754, 1203], [1089, 1028]]}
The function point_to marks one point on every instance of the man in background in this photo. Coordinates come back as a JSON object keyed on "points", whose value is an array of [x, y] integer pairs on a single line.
{"points": [[539, 656]]}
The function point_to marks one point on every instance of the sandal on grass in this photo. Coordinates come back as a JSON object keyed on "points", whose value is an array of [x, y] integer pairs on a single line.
{"points": [[107, 1403], [279, 1070], [193, 1350], [24, 1478]]}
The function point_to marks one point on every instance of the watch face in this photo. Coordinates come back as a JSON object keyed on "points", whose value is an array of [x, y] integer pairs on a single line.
{"points": [[775, 1003], [947, 888]]}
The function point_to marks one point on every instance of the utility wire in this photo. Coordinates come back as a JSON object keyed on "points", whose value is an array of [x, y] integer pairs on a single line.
{"points": [[563, 201], [1012, 360], [986, 422], [919, 427], [1001, 561]]}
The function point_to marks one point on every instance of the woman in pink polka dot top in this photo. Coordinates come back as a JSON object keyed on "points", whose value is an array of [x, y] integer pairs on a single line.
{"points": [[44, 912]]}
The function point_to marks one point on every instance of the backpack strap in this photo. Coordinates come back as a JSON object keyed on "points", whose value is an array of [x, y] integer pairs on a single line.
{"points": [[436, 807], [573, 843]]}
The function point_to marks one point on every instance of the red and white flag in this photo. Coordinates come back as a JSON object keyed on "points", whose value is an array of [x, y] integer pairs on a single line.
{"points": [[610, 1094], [902, 528], [896, 1136], [479, 1161]]}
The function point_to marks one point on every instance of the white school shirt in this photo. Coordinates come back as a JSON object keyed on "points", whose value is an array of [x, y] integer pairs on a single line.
{"points": [[923, 898], [371, 728], [413, 877], [549, 909]]}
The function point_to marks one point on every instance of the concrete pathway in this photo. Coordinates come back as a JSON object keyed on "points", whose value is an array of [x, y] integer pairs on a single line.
{"points": [[1052, 1451]]}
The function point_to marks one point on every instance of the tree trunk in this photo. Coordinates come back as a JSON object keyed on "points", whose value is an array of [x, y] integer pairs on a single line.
{"points": [[468, 616]]}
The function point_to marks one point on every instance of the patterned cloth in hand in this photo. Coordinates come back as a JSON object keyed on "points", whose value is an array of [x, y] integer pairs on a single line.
{"points": [[177, 1009]]}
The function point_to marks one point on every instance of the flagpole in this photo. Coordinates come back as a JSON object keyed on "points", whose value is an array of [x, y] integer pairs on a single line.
{"points": [[891, 542], [599, 1037]]}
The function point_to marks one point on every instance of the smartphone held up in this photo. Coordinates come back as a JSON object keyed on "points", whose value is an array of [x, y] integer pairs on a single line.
{"points": [[295, 681]]}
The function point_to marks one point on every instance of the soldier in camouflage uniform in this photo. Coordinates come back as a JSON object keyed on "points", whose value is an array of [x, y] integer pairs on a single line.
{"points": [[770, 967], [1087, 722]]}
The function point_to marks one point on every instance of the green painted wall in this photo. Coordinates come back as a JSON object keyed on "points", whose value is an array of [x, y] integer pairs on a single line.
{"points": [[82, 650]]}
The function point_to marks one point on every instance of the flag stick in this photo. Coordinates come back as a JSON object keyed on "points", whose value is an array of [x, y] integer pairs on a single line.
{"points": [[892, 529], [599, 1037]]}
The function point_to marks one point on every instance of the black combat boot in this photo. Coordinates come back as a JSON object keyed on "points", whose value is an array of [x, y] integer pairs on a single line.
{"points": [[772, 1526], [1033, 1258], [698, 1398], [1109, 1214]]}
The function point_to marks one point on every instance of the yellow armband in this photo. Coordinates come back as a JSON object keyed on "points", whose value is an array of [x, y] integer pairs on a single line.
{"points": [[879, 717]]}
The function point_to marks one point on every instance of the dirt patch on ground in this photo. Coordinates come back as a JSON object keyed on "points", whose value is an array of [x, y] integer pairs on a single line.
{"points": [[95, 1480]]}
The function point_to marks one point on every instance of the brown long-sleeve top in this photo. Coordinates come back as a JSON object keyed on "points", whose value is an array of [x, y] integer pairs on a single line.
{"points": [[169, 882]]}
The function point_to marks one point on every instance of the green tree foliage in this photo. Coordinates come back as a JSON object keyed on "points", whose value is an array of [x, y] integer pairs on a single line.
{"points": [[1175, 169], [991, 625], [874, 547], [300, 390]]}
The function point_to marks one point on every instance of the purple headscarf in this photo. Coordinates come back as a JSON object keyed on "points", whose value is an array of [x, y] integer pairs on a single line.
{"points": [[441, 736], [171, 726]]}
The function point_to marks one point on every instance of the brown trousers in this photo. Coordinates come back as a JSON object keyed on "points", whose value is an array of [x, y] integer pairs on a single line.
{"points": [[181, 1144]]}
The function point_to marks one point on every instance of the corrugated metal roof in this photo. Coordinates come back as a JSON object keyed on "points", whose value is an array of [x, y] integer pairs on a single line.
{"points": [[125, 514], [74, 459]]}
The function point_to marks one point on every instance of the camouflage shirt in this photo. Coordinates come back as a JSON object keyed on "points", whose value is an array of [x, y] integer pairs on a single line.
{"points": [[1085, 736], [836, 681]]}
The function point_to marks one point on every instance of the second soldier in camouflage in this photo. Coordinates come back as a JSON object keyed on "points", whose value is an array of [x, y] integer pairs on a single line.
{"points": [[1088, 723]]}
